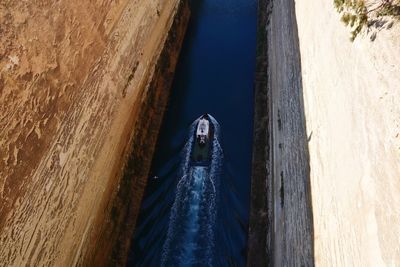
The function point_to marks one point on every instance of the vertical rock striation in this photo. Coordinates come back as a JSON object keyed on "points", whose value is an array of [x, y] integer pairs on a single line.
{"points": [[82, 84], [281, 224], [124, 210]]}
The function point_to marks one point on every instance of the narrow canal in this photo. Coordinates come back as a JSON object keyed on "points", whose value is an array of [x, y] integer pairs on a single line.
{"points": [[215, 75]]}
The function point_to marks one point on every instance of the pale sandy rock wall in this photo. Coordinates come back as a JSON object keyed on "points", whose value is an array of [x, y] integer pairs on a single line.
{"points": [[73, 79], [351, 96]]}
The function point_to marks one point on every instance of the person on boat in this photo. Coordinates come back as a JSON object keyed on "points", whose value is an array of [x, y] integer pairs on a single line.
{"points": [[202, 131]]}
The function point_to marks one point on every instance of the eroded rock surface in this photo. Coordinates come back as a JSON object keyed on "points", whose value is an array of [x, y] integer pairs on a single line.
{"points": [[74, 78]]}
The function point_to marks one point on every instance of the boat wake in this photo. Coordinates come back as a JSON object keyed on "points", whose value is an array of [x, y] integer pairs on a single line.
{"points": [[192, 214], [190, 238]]}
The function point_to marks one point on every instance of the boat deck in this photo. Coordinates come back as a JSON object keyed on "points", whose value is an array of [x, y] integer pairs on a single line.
{"points": [[201, 153]]}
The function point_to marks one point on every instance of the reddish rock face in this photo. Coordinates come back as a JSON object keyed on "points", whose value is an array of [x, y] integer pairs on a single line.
{"points": [[81, 86]]}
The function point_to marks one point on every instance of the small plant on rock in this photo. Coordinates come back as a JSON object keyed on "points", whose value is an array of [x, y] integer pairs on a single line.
{"points": [[357, 15]]}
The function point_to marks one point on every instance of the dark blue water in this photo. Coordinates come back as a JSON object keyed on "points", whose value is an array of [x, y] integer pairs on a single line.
{"points": [[215, 74]]}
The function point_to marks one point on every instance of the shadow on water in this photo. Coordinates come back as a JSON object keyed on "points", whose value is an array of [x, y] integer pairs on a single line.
{"points": [[215, 74]]}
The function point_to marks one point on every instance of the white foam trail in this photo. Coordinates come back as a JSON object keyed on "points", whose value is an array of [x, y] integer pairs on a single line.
{"points": [[180, 180], [190, 236], [192, 224]]}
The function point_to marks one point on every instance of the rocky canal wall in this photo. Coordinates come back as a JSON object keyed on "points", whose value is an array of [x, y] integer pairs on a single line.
{"points": [[351, 96], [124, 210], [83, 87], [281, 223]]}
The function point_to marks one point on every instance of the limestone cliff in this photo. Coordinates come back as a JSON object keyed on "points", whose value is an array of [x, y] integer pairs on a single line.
{"points": [[79, 84], [326, 158], [351, 100]]}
